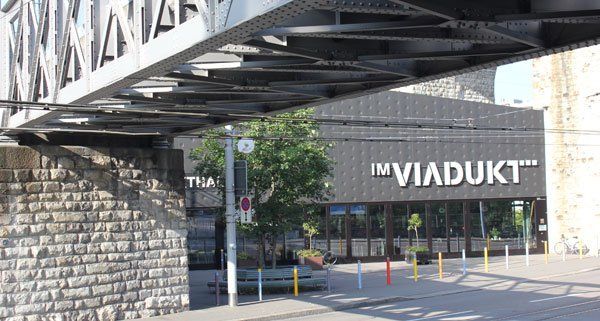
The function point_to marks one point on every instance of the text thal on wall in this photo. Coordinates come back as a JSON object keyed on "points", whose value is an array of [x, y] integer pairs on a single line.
{"points": [[453, 173]]}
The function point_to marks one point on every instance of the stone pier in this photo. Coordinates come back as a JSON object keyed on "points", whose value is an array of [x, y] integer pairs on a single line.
{"points": [[91, 233]]}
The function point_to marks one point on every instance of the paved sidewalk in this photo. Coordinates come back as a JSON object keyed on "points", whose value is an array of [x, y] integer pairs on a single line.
{"points": [[345, 294]]}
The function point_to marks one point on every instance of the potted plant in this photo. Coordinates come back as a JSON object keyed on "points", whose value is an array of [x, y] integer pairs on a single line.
{"points": [[312, 258], [244, 260], [421, 253], [311, 228]]}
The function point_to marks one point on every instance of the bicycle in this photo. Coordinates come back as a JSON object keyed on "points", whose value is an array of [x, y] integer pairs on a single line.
{"points": [[570, 246], [329, 258]]}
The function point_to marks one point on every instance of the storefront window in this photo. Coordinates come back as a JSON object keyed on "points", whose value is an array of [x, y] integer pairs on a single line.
{"points": [[358, 228], [478, 241], [201, 236], [496, 224], [456, 226], [320, 240], [400, 229], [377, 229], [418, 208], [337, 230], [438, 227]]}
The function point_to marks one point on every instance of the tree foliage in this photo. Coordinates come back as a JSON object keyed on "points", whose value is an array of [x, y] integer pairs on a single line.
{"points": [[414, 223], [286, 177]]}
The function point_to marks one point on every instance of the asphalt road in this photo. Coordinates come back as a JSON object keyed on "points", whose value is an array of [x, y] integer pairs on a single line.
{"points": [[573, 297]]}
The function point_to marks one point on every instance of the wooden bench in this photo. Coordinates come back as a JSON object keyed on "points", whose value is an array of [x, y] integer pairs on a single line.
{"points": [[282, 277]]}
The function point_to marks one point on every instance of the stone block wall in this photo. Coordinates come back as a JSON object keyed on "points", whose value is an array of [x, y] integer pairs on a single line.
{"points": [[567, 86], [91, 233], [474, 86]]}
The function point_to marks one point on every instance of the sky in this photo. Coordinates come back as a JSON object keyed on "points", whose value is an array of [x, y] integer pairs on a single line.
{"points": [[514, 81]]}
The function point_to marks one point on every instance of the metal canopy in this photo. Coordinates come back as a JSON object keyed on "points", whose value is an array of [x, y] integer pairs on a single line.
{"points": [[178, 66]]}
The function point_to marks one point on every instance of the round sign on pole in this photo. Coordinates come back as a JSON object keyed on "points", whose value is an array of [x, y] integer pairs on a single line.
{"points": [[245, 145], [245, 204]]}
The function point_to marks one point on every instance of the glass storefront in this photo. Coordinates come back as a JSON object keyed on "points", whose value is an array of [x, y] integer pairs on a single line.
{"points": [[201, 237], [377, 234], [363, 230], [491, 223], [456, 226], [358, 230], [439, 241], [337, 232], [400, 227]]}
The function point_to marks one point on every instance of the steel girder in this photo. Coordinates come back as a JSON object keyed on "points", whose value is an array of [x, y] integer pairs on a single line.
{"points": [[220, 59]]}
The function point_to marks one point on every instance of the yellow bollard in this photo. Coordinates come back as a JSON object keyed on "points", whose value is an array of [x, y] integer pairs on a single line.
{"points": [[546, 251], [580, 250], [440, 269], [485, 257], [415, 271], [295, 281]]}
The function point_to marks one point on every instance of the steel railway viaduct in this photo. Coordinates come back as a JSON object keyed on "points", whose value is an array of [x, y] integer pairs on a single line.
{"points": [[93, 226]]}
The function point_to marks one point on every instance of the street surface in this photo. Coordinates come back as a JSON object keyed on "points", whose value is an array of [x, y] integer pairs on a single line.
{"points": [[555, 290], [573, 297]]}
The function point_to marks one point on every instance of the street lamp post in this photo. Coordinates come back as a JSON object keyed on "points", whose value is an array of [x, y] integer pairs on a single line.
{"points": [[230, 219]]}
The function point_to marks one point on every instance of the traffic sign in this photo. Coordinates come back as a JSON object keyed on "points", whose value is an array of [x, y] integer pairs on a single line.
{"points": [[245, 204]]}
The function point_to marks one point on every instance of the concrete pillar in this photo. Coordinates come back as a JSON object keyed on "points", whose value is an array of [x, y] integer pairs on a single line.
{"points": [[92, 233], [567, 86]]}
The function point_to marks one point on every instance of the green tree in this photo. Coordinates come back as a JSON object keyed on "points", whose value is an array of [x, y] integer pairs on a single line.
{"points": [[287, 176], [414, 223], [311, 228]]}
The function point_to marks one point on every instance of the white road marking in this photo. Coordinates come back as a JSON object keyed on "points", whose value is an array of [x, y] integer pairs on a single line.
{"points": [[442, 315], [554, 298]]}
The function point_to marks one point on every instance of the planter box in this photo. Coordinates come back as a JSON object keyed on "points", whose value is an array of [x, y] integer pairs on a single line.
{"points": [[422, 257], [315, 262]]}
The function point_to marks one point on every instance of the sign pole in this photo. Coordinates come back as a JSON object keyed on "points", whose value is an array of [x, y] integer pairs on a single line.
{"points": [[230, 218]]}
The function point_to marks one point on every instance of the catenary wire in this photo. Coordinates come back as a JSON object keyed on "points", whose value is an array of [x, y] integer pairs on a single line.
{"points": [[321, 121]]}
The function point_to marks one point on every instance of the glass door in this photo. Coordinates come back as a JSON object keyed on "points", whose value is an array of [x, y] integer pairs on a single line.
{"points": [[400, 228]]}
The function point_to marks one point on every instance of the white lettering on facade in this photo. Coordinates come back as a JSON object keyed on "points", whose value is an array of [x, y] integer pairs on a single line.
{"points": [[454, 173], [200, 182]]}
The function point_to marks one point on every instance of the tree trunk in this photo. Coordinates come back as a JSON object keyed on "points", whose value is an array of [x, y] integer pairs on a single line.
{"points": [[310, 242], [417, 235], [273, 251]]}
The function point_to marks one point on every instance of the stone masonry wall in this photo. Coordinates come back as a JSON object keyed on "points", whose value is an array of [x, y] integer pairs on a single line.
{"points": [[91, 233], [475, 86], [567, 84]]}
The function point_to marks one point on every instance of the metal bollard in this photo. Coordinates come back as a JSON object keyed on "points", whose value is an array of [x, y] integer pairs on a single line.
{"points": [[440, 267], [388, 271], [359, 267], [464, 262], [217, 288], [485, 259], [506, 255], [546, 252], [527, 253], [415, 269], [222, 261], [295, 280], [259, 284], [329, 279]]}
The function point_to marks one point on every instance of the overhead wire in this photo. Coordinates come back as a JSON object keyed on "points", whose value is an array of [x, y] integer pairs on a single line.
{"points": [[346, 122]]}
